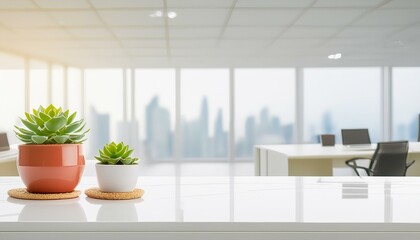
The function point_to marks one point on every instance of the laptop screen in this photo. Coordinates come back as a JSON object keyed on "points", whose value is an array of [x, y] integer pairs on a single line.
{"points": [[4, 144], [355, 136]]}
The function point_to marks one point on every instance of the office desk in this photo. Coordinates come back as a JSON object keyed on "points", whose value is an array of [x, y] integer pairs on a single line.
{"points": [[314, 160], [225, 208]]}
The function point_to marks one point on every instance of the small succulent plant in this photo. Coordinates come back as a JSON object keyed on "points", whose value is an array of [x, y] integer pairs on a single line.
{"points": [[116, 154], [51, 125]]}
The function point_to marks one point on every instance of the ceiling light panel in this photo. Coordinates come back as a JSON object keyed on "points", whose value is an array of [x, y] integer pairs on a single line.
{"points": [[17, 4], [329, 17], [139, 32], [139, 43], [76, 18], [198, 17], [390, 17], [94, 33], [310, 32], [199, 3], [347, 3], [194, 32], [403, 4], [57, 4], [366, 32], [273, 3], [26, 19], [127, 4], [252, 32], [130, 18], [260, 17]]}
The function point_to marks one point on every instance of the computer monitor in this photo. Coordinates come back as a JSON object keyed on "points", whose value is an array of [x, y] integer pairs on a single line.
{"points": [[4, 143], [355, 136]]}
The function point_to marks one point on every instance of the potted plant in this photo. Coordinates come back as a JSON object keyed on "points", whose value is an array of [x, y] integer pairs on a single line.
{"points": [[51, 160], [117, 171]]}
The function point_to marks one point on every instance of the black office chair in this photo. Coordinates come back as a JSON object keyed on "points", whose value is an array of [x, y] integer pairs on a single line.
{"points": [[389, 159]]}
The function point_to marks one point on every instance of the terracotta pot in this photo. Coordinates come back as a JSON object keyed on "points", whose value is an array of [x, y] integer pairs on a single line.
{"points": [[51, 168]]}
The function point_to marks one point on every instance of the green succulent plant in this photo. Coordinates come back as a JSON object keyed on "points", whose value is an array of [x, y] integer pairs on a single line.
{"points": [[51, 125], [116, 154]]}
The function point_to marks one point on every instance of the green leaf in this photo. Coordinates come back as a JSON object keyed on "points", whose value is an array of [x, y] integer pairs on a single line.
{"points": [[106, 151], [39, 121], [49, 108], [74, 138], [122, 151], [35, 112], [31, 126], [112, 148], [61, 139], [127, 161], [39, 139], [113, 161], [51, 113], [128, 153], [24, 140], [71, 118], [29, 117], [54, 124], [24, 131], [44, 116], [24, 136], [66, 113], [72, 127]]}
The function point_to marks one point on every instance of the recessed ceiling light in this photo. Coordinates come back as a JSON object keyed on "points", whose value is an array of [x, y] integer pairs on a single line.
{"points": [[156, 14], [334, 56], [172, 14]]}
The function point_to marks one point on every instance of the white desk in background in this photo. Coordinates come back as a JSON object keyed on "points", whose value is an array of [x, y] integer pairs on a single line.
{"points": [[8, 162], [245, 208], [314, 159]]}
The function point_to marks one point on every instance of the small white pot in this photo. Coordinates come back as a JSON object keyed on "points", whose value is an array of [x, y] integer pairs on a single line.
{"points": [[117, 178]]}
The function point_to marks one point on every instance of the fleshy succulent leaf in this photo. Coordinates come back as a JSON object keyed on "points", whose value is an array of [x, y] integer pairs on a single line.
{"points": [[39, 139], [116, 154], [61, 139], [51, 125], [71, 118], [55, 123]]}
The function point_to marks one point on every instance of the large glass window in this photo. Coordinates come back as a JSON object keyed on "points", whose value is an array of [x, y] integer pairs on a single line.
{"points": [[155, 112], [264, 108], [104, 106], [405, 106], [75, 90], [12, 94], [205, 113], [337, 98], [57, 85], [38, 84]]}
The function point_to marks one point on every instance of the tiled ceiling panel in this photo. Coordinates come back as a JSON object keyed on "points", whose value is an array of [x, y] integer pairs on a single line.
{"points": [[112, 4], [194, 32], [199, 3], [76, 18], [388, 17], [273, 3], [252, 32], [130, 18], [25, 19], [139, 32], [113, 33], [347, 3], [199, 17], [57, 4], [266, 17], [326, 17]]}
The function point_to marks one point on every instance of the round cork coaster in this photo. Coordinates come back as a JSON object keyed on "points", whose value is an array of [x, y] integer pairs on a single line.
{"points": [[22, 193], [98, 194]]}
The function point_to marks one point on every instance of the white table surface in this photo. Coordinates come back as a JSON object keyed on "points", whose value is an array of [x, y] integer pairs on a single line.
{"points": [[275, 205], [310, 151]]}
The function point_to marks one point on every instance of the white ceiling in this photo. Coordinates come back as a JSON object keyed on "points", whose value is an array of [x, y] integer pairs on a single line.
{"points": [[249, 33]]}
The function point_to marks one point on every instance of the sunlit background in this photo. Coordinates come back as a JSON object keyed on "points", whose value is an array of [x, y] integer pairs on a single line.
{"points": [[195, 91]]}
